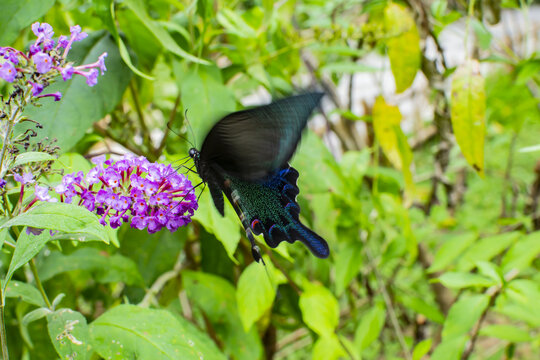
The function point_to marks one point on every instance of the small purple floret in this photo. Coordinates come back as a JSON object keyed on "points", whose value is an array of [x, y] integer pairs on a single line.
{"points": [[43, 62], [36, 88], [42, 194], [91, 77], [8, 71], [42, 30], [26, 178], [67, 72]]}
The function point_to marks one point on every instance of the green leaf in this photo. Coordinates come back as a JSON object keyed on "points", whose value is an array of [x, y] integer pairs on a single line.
{"points": [[154, 255], [318, 170], [420, 306], [234, 24], [421, 349], [386, 120], [403, 44], [468, 113], [506, 332], [491, 271], [32, 156], [386, 124], [460, 280], [70, 163], [3, 236], [104, 9], [105, 268], [450, 250], [254, 294], [213, 294], [522, 253], [35, 315], [347, 67], [450, 349], [68, 218], [129, 332], [347, 265], [328, 348], [320, 309], [482, 34], [521, 301], [325, 216], [205, 9], [204, 96], [225, 228], [69, 334], [342, 50], [25, 292], [161, 35], [370, 327], [28, 246], [82, 105], [216, 297], [485, 249], [19, 14], [463, 315], [528, 70]]}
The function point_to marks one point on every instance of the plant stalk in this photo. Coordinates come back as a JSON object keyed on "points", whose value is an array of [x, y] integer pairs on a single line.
{"points": [[3, 338], [32, 264]]}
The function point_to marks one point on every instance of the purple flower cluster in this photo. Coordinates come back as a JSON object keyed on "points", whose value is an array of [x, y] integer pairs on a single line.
{"points": [[149, 195], [46, 56]]}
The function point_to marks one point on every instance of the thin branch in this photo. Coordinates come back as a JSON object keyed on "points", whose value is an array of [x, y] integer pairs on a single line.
{"points": [[291, 282], [160, 282], [532, 205], [107, 133], [508, 177], [338, 127], [443, 296], [493, 292], [145, 134], [3, 338], [172, 116], [32, 264], [389, 307]]}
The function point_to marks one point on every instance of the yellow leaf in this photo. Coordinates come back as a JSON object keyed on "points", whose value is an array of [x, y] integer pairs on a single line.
{"points": [[386, 124], [468, 113], [403, 44]]}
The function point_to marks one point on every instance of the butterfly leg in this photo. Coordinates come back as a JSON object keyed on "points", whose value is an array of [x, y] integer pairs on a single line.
{"points": [[255, 250]]}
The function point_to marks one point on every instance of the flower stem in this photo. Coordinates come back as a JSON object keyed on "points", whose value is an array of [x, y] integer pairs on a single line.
{"points": [[3, 339], [32, 264], [11, 122]]}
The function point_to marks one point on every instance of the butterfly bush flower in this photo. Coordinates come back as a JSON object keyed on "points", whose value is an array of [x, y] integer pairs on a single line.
{"points": [[146, 195], [47, 59]]}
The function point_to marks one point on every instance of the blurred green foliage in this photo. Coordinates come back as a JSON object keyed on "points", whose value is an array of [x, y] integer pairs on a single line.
{"points": [[428, 259]]}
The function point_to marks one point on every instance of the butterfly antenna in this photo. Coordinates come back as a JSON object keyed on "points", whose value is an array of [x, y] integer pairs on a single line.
{"points": [[204, 187], [270, 278], [169, 126], [183, 160], [190, 128]]}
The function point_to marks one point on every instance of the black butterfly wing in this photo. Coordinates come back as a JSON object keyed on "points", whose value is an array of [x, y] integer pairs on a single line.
{"points": [[253, 143]]}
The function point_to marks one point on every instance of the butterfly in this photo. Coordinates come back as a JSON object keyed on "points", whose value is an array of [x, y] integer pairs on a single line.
{"points": [[245, 156]]}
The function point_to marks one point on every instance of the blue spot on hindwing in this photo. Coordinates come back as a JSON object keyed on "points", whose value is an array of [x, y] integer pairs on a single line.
{"points": [[276, 235], [293, 209]]}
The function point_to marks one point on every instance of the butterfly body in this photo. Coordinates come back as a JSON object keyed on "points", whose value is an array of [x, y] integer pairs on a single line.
{"points": [[245, 156]]}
